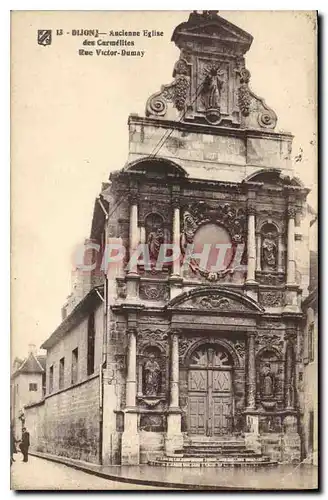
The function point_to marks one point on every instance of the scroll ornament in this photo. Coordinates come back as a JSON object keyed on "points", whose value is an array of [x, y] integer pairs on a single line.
{"points": [[175, 92]]}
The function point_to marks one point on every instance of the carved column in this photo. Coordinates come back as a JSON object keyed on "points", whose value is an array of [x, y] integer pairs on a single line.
{"points": [[131, 378], [290, 371], [176, 234], [130, 437], [134, 231], [291, 441], [251, 245], [251, 372], [174, 438], [258, 252], [291, 246], [174, 383]]}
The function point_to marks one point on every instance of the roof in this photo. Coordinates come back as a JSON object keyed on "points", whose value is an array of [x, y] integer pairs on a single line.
{"points": [[42, 359], [87, 304], [311, 300], [32, 364]]}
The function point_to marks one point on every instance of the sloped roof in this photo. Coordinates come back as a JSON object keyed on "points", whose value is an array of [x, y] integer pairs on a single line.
{"points": [[32, 364], [42, 359]]}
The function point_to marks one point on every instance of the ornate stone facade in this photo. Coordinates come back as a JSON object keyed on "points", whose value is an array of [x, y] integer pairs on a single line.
{"points": [[208, 352]]}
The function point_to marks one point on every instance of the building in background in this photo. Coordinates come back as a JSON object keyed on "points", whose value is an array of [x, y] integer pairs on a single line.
{"points": [[27, 385], [149, 361], [309, 407]]}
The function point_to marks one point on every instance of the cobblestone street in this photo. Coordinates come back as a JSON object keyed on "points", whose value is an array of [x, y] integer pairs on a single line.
{"points": [[39, 474]]}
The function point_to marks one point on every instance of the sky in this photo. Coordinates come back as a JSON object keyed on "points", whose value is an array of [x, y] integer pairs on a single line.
{"points": [[69, 131]]}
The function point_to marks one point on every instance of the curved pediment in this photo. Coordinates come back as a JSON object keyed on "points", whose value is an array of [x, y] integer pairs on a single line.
{"points": [[215, 299]]}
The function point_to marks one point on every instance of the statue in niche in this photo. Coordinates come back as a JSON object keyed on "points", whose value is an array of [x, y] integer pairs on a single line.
{"points": [[152, 377], [269, 251], [155, 235], [155, 240], [267, 381], [212, 87]]}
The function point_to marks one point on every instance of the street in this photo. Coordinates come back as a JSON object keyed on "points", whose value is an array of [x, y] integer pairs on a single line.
{"points": [[40, 474]]}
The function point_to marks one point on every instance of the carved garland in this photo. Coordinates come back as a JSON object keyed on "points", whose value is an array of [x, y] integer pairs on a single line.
{"points": [[244, 97]]}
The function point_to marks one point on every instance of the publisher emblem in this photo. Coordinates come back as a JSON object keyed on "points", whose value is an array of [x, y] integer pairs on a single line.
{"points": [[44, 37]]}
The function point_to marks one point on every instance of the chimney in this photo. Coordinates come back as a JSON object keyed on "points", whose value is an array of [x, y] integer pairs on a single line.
{"points": [[32, 349]]}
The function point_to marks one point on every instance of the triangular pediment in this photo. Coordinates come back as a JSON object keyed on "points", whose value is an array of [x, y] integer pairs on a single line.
{"points": [[214, 27]]}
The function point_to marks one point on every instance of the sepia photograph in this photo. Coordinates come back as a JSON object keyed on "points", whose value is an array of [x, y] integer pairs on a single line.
{"points": [[164, 253]]}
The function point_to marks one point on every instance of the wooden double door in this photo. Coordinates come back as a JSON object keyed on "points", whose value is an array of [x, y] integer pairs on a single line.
{"points": [[210, 398]]}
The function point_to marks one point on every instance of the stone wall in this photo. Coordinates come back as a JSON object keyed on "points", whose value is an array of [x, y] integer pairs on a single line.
{"points": [[76, 338], [211, 153], [34, 421], [67, 423]]}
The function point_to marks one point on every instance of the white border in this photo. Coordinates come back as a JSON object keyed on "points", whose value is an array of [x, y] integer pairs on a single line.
{"points": [[5, 7]]}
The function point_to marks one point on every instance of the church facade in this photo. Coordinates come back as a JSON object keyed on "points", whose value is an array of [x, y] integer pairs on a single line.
{"points": [[191, 352], [201, 353]]}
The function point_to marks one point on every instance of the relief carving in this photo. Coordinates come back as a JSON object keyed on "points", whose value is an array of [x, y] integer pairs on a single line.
{"points": [[272, 298], [156, 291], [197, 215], [244, 97], [233, 219], [148, 336], [214, 301], [270, 279], [175, 92], [240, 348], [267, 339]]}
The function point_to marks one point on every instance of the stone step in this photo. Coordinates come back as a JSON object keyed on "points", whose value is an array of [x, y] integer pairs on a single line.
{"points": [[245, 453], [212, 441], [258, 458], [216, 463], [215, 451], [200, 449]]}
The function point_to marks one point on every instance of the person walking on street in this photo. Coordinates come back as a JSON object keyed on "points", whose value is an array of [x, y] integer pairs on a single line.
{"points": [[12, 445], [25, 443]]}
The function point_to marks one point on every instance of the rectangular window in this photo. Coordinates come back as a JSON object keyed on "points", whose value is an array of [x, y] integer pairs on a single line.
{"points": [[311, 341], [91, 344], [51, 378], [33, 387], [61, 373], [75, 360]]}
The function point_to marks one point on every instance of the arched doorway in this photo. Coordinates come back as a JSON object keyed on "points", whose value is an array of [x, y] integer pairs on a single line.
{"points": [[210, 395]]}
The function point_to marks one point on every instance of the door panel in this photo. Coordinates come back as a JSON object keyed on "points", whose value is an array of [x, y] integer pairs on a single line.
{"points": [[197, 414], [210, 392], [221, 381], [198, 380], [221, 419]]}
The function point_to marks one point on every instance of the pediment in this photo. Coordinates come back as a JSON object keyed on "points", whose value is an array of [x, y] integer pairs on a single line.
{"points": [[215, 300], [214, 27]]}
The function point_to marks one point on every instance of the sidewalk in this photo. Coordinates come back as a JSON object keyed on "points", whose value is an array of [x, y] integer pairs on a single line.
{"points": [[281, 477]]}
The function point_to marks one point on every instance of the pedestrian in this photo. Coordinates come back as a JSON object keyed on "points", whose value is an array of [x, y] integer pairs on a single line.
{"points": [[24, 444], [12, 445]]}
